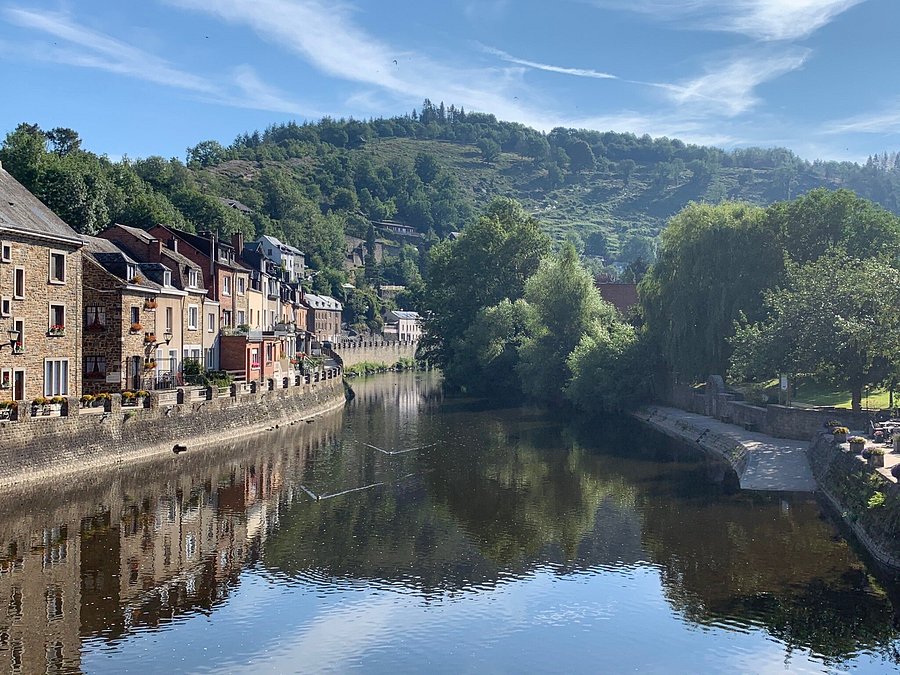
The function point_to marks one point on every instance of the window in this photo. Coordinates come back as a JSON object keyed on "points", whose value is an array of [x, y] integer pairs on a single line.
{"points": [[131, 273], [5, 307], [226, 319], [211, 322], [193, 278], [169, 319], [193, 317], [56, 377], [210, 359], [241, 285], [95, 367], [57, 319], [135, 314], [95, 318], [57, 267], [226, 285], [254, 358], [19, 326], [19, 283], [5, 252], [241, 318], [167, 278], [269, 352]]}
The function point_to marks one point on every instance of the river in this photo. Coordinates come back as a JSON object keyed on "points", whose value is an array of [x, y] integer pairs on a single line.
{"points": [[474, 538]]}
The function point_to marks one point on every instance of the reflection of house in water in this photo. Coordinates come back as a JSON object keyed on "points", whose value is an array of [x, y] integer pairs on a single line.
{"points": [[176, 546]]}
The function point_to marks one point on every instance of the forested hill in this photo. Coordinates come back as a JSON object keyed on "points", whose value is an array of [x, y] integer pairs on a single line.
{"points": [[433, 169]]}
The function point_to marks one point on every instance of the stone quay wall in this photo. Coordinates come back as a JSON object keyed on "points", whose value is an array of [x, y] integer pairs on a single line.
{"points": [[780, 421], [388, 352], [849, 486], [36, 448]]}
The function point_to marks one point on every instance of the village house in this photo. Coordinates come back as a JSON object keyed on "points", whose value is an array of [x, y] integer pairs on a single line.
{"points": [[402, 325], [40, 298], [183, 306], [323, 316], [289, 259]]}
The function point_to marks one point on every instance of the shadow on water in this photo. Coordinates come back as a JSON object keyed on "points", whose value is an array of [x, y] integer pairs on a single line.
{"points": [[492, 496]]}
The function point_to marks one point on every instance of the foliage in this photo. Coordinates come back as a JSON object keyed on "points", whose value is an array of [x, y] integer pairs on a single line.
{"points": [[834, 319], [487, 264], [714, 263]]}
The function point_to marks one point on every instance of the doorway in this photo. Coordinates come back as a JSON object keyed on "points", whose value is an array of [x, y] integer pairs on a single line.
{"points": [[18, 385]]}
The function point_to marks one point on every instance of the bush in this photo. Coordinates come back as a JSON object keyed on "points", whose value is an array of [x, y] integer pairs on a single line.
{"points": [[755, 394]]}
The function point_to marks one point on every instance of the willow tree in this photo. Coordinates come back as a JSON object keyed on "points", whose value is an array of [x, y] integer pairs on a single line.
{"points": [[713, 264], [835, 319]]}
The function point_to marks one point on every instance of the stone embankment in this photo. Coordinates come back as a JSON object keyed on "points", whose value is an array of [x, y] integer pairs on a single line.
{"points": [[865, 499], [760, 461], [35, 447], [389, 352]]}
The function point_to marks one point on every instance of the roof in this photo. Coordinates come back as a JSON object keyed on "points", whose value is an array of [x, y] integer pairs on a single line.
{"points": [[322, 302], [621, 296], [115, 261], [286, 248], [406, 316], [201, 245], [23, 212], [235, 204], [173, 261]]}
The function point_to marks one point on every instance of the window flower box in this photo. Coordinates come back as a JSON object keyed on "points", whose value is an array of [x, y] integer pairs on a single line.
{"points": [[136, 328], [95, 327], [8, 410], [57, 331], [149, 338], [149, 365], [150, 304], [19, 348]]}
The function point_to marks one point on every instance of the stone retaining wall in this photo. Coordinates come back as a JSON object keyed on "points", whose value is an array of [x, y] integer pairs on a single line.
{"points": [[374, 351], [848, 484], [775, 420], [39, 448]]}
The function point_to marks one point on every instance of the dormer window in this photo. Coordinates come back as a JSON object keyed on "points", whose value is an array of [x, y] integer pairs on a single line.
{"points": [[193, 278], [131, 272], [167, 278]]}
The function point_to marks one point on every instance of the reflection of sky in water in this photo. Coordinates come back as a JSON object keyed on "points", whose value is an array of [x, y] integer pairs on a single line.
{"points": [[508, 546], [607, 622]]}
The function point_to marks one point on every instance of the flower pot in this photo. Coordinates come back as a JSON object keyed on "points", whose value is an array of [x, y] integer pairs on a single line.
{"points": [[875, 461], [857, 448]]}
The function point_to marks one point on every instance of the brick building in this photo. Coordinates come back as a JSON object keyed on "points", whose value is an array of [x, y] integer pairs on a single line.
{"points": [[323, 316], [120, 310], [40, 298]]}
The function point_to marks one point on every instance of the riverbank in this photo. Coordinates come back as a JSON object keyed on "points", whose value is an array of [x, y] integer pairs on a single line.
{"points": [[761, 462], [37, 449]]}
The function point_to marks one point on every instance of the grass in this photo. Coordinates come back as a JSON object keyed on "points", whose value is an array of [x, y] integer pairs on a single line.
{"points": [[823, 394]]}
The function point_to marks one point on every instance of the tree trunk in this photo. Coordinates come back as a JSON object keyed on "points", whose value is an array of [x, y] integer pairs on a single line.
{"points": [[856, 400]]}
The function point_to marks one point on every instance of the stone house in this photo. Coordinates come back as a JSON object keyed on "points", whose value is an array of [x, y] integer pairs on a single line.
{"points": [[40, 298], [225, 278], [184, 307], [402, 325], [290, 260], [323, 316], [120, 314]]}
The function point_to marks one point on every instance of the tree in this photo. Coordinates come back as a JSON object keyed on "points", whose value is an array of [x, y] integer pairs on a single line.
{"points": [[487, 264], [490, 150], [836, 318], [427, 167], [566, 305], [63, 140], [596, 244], [206, 153], [626, 168], [637, 247], [714, 263], [581, 156], [23, 152]]}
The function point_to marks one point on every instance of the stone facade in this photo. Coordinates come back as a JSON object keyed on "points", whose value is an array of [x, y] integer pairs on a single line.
{"points": [[33, 305]]}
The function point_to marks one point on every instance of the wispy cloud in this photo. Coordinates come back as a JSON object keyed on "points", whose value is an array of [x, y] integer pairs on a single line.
{"points": [[730, 88], [78, 45], [884, 121], [760, 19], [577, 72]]}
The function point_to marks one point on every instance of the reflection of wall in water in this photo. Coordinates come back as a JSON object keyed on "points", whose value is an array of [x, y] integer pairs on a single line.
{"points": [[394, 406], [178, 542]]}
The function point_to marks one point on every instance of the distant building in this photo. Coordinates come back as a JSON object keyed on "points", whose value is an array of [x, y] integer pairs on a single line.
{"points": [[398, 229], [285, 257], [621, 296], [40, 306], [323, 316], [236, 205], [402, 325], [389, 292]]}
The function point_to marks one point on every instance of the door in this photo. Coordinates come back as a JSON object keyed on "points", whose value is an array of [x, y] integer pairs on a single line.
{"points": [[19, 385], [135, 371]]}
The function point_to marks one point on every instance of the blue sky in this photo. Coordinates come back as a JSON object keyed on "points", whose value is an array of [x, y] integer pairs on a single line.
{"points": [[817, 76]]}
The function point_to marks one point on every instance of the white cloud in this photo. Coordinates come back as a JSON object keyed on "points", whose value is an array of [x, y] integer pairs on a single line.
{"points": [[729, 88], [577, 72], [760, 19], [884, 121], [88, 48]]}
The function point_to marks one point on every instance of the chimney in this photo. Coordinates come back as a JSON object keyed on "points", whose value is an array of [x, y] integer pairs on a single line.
{"points": [[157, 251], [173, 244], [237, 243]]}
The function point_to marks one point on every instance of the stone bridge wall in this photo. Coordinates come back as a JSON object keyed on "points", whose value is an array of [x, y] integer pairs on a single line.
{"points": [[374, 351], [39, 448], [775, 420]]}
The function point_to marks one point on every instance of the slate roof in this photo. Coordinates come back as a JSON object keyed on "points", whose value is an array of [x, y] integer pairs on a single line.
{"points": [[322, 302], [406, 316], [23, 212], [177, 262], [115, 261]]}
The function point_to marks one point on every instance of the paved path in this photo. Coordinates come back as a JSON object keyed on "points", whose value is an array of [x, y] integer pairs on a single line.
{"points": [[777, 464]]}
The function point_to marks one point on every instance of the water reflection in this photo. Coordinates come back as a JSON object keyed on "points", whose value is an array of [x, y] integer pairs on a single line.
{"points": [[496, 503]]}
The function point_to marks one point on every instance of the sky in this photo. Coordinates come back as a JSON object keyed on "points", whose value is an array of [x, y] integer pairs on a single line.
{"points": [[157, 76]]}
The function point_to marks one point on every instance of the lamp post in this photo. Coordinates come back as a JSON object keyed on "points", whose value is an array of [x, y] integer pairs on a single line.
{"points": [[13, 339]]}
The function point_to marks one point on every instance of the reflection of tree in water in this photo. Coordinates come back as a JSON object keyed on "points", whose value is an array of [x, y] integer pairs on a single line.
{"points": [[765, 560]]}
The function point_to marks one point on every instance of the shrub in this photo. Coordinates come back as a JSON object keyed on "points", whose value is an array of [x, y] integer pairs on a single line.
{"points": [[756, 394], [57, 400], [840, 430], [876, 500], [128, 395], [41, 400], [857, 440]]}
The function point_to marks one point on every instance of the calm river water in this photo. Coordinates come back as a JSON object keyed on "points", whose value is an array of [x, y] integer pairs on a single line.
{"points": [[492, 540]]}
